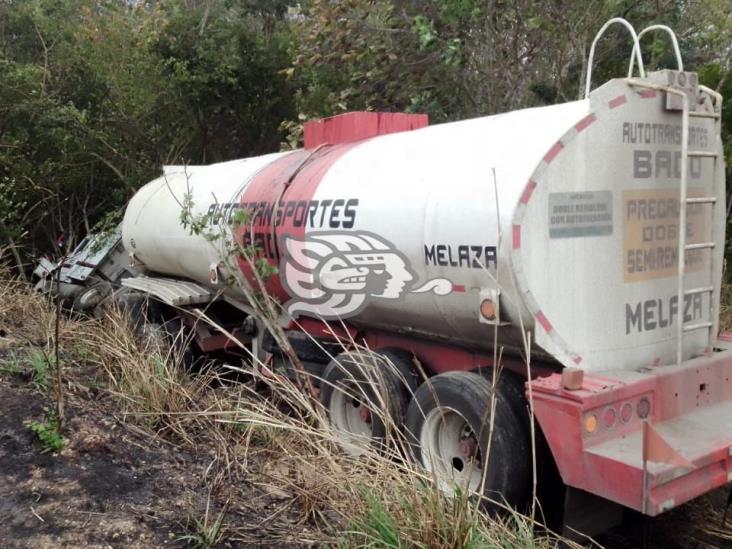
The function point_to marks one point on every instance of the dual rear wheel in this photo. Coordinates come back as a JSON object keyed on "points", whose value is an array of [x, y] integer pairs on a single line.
{"points": [[453, 424], [366, 395]]}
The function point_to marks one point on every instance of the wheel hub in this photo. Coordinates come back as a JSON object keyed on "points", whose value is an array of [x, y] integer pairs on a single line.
{"points": [[450, 449], [365, 414], [351, 418], [468, 447]]}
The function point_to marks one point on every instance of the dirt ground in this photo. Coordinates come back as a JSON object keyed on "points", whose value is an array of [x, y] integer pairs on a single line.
{"points": [[694, 525], [117, 485], [113, 485]]}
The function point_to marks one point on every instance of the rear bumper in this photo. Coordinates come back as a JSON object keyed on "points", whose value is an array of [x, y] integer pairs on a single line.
{"points": [[690, 407]]}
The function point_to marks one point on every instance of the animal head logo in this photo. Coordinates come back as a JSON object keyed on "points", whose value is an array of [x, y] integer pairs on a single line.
{"points": [[335, 274]]}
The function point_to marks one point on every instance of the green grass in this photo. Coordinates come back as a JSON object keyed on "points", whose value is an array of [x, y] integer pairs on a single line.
{"points": [[11, 365], [378, 527], [32, 362], [204, 535], [421, 515], [48, 432], [39, 367]]}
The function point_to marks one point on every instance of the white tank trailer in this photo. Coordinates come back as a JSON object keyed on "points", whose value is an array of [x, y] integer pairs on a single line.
{"points": [[592, 229], [565, 217]]}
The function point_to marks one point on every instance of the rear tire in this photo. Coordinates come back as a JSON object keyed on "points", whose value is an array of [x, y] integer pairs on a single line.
{"points": [[137, 307], [365, 395], [403, 362], [512, 387], [449, 428]]}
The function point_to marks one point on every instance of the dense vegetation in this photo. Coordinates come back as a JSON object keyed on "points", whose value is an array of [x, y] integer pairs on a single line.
{"points": [[95, 95]]}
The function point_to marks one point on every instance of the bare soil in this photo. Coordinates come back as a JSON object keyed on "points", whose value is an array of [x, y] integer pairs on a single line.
{"points": [[694, 525], [114, 485]]}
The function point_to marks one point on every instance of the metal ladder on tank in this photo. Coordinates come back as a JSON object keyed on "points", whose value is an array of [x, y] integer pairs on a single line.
{"points": [[712, 325], [713, 201]]}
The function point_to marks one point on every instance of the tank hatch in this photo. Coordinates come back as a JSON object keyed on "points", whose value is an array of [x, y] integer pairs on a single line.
{"points": [[358, 125]]}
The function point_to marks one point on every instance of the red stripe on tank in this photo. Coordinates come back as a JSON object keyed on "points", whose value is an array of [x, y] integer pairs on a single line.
{"points": [[544, 321], [647, 94], [528, 191], [553, 152], [308, 179], [458, 288], [516, 237], [291, 180], [619, 100], [585, 122]]}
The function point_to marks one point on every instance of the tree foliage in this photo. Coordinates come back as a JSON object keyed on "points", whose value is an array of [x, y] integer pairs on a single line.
{"points": [[96, 95]]}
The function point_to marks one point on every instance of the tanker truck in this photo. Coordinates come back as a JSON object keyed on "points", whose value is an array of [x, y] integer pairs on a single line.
{"points": [[584, 240]]}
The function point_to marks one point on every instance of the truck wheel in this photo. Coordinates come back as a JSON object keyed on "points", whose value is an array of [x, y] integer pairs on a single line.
{"points": [[87, 300], [180, 344], [366, 399], [134, 306], [511, 387], [403, 362], [449, 428]]}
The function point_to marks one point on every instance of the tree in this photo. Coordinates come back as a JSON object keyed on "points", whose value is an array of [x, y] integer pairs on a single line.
{"points": [[96, 95]]}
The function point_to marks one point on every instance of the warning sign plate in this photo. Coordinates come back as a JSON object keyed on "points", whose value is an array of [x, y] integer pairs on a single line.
{"points": [[651, 234], [580, 214]]}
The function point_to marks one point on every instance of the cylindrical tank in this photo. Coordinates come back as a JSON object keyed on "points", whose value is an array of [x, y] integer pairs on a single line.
{"points": [[564, 217]]}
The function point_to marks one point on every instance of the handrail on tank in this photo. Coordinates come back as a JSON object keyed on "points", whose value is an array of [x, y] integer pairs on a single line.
{"points": [[714, 94], [636, 50], [674, 42]]}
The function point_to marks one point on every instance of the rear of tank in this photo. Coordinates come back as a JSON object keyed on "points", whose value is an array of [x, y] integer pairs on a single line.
{"points": [[595, 238]]}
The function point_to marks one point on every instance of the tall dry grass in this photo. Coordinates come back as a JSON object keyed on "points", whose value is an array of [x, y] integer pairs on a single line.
{"points": [[264, 429], [28, 324], [26, 316], [146, 376], [270, 430]]}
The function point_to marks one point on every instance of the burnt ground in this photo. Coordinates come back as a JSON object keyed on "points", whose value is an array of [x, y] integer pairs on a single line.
{"points": [[118, 485], [113, 485], [694, 525]]}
